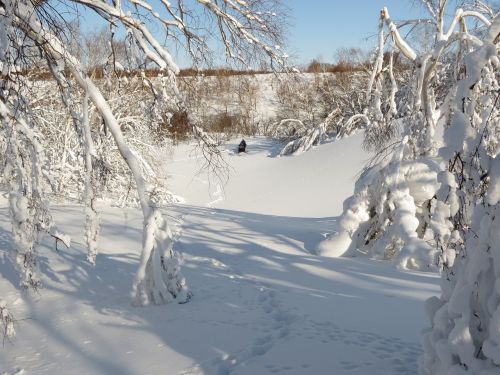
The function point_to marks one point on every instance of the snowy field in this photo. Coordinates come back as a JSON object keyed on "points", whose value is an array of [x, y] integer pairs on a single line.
{"points": [[263, 302]]}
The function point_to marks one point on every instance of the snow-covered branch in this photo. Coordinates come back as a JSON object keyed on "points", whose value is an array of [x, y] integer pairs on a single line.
{"points": [[243, 29], [7, 319], [403, 46]]}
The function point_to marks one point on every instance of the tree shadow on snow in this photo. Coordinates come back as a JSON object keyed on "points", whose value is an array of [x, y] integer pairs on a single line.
{"points": [[239, 265]]}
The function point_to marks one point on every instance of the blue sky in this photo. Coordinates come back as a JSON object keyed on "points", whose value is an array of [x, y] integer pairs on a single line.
{"points": [[319, 27]]}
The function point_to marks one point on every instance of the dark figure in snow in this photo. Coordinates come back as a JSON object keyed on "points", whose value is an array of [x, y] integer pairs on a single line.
{"points": [[242, 147]]}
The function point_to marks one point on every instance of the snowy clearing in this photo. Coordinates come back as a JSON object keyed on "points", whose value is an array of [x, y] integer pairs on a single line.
{"points": [[263, 304]]}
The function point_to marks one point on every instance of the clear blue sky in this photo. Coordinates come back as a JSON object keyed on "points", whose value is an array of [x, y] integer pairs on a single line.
{"points": [[319, 27]]}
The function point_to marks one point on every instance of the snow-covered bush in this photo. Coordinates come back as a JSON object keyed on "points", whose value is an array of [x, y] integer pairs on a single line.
{"points": [[389, 213], [396, 211], [318, 106], [464, 337], [436, 204], [36, 36], [141, 127]]}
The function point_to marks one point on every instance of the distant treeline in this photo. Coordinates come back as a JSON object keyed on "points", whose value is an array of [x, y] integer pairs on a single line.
{"points": [[98, 73], [320, 67], [353, 64], [221, 72]]}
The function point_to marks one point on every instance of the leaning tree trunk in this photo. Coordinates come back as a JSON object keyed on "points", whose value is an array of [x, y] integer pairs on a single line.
{"points": [[158, 279]]}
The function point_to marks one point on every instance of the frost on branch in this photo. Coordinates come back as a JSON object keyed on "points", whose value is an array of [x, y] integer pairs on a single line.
{"points": [[24, 176]]}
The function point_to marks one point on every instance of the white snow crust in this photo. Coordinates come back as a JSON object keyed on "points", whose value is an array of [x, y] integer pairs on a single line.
{"points": [[262, 302]]}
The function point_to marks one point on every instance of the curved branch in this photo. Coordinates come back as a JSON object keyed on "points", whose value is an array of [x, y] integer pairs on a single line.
{"points": [[460, 14], [142, 31], [54, 48], [404, 47]]}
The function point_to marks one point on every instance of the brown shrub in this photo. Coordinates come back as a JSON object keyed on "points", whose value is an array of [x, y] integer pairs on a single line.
{"points": [[224, 123], [175, 125]]}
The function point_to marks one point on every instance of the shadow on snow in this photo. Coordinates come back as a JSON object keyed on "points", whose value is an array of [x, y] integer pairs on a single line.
{"points": [[238, 265]]}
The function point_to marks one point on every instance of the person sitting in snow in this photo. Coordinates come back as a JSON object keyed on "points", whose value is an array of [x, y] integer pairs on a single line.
{"points": [[242, 147]]}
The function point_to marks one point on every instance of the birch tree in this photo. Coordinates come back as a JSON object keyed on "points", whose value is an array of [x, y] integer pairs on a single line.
{"points": [[33, 33]]}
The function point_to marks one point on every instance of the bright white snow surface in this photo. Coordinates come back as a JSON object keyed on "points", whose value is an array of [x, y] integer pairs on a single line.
{"points": [[263, 304]]}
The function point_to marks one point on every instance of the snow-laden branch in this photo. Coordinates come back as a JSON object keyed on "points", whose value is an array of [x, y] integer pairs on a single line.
{"points": [[140, 31], [377, 66], [402, 45], [237, 30], [54, 48], [24, 175], [429, 7], [146, 284]]}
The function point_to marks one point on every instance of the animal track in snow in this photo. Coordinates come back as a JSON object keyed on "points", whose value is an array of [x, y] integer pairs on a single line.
{"points": [[398, 355], [273, 324]]}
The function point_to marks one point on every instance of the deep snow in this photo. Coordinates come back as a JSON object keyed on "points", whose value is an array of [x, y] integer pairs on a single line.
{"points": [[314, 184], [263, 303]]}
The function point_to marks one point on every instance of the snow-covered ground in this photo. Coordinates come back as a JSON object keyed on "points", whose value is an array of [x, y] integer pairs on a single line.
{"points": [[314, 184], [263, 302]]}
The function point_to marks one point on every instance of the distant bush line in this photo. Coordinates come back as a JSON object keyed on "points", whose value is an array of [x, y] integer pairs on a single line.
{"points": [[98, 73]]}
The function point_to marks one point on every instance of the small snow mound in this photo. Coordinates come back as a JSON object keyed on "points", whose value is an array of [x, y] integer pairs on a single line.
{"points": [[335, 245], [15, 372]]}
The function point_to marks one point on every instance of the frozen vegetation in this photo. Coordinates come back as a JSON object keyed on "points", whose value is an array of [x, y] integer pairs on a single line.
{"points": [[359, 232], [262, 302]]}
